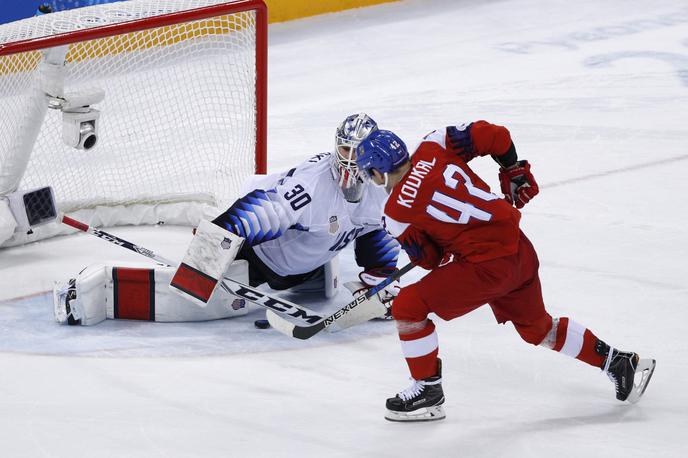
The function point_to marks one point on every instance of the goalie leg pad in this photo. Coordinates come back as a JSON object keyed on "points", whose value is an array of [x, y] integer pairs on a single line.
{"points": [[132, 293], [208, 256], [143, 293], [139, 292], [332, 277]]}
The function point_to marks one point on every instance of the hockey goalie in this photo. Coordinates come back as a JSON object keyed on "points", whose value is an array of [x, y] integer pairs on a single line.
{"points": [[286, 232]]}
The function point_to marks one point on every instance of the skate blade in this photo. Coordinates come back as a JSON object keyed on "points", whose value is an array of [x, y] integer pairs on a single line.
{"points": [[425, 414], [645, 368]]}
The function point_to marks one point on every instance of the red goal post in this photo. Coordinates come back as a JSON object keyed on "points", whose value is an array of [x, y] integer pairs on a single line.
{"points": [[180, 90]]}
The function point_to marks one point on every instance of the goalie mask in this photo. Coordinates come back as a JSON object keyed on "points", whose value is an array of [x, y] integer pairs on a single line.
{"points": [[349, 134]]}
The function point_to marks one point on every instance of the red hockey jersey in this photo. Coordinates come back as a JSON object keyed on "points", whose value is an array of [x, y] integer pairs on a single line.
{"points": [[441, 206]]}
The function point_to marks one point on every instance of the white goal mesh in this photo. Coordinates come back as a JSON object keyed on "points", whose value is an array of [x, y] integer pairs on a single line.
{"points": [[180, 121]]}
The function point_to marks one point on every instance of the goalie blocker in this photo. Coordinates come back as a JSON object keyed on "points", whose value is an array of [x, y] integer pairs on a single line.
{"points": [[207, 258], [139, 292]]}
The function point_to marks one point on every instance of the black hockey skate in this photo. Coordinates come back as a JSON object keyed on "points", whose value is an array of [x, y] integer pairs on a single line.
{"points": [[422, 401], [621, 368]]}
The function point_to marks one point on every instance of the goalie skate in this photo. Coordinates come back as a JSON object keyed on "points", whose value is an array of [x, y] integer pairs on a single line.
{"points": [[63, 295]]}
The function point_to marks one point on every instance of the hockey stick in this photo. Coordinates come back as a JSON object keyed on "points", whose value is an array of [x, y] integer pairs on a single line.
{"points": [[113, 239], [234, 287], [306, 332]]}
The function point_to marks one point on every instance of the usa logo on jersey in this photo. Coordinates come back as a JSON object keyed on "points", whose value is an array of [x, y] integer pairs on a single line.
{"points": [[334, 225]]}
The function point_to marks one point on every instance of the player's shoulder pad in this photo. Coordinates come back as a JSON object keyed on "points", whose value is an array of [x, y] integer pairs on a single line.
{"points": [[439, 136]]}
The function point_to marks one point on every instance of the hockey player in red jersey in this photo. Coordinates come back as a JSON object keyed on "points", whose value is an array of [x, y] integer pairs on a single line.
{"points": [[449, 222]]}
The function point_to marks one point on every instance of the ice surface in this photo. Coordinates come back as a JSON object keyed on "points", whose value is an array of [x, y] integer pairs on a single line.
{"points": [[596, 97]]}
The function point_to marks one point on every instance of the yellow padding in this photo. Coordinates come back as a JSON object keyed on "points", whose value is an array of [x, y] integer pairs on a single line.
{"points": [[160, 37], [279, 10], [286, 10]]}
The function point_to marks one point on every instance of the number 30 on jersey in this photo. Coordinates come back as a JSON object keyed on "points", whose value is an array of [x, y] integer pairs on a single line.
{"points": [[297, 198]]}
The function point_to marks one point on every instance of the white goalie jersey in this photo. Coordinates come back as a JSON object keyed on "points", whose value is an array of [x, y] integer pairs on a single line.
{"points": [[299, 220]]}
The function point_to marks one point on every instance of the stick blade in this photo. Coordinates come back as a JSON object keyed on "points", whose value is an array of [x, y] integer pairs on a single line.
{"points": [[288, 328], [306, 332], [279, 323]]}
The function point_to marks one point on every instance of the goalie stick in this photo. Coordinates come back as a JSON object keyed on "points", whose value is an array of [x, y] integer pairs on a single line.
{"points": [[251, 294], [365, 313]]}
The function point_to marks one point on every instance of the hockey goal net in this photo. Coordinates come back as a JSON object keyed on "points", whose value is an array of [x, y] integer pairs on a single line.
{"points": [[176, 90]]}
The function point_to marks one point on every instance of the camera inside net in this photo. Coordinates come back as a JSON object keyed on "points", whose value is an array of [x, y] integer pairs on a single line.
{"points": [[80, 120]]}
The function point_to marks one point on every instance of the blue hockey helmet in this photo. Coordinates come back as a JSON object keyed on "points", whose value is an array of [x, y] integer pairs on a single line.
{"points": [[383, 151]]}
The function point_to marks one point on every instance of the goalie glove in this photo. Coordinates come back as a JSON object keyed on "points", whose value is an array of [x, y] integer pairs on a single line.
{"points": [[518, 184], [373, 277]]}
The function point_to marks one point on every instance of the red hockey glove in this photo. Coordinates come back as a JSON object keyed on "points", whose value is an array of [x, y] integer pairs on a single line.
{"points": [[422, 251], [518, 184]]}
